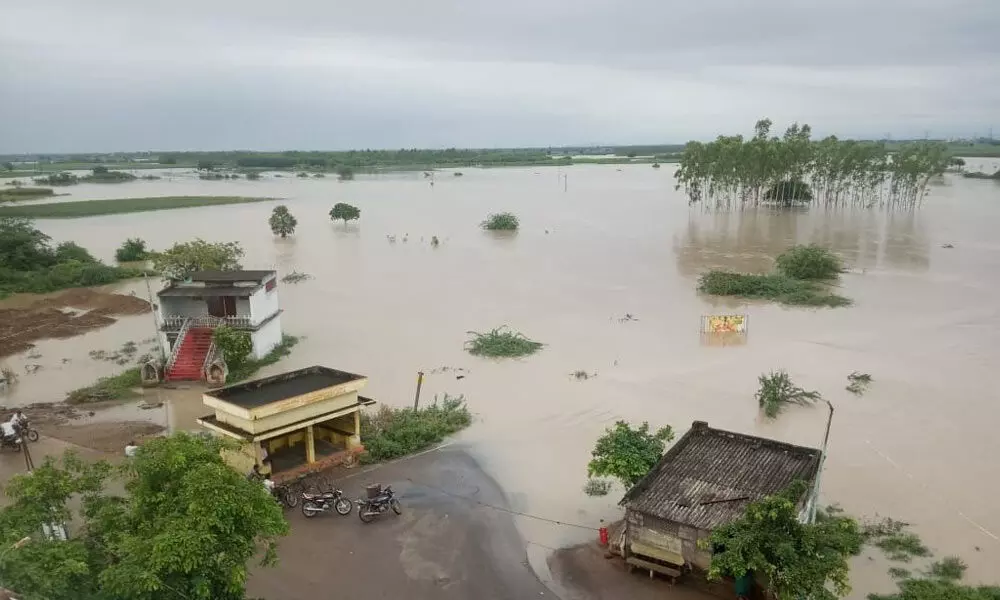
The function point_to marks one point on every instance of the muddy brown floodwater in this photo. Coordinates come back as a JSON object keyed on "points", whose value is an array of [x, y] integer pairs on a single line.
{"points": [[920, 445]]}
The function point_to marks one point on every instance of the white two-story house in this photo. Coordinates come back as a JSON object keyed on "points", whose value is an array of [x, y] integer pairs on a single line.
{"points": [[190, 310]]}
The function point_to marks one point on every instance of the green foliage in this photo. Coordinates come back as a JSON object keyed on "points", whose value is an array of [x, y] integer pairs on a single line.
{"points": [[235, 345], [981, 175], [206, 165], [504, 221], [779, 288], [796, 560], [24, 193], [182, 259], [58, 179], [103, 175], [92, 208], [302, 174], [282, 222], [627, 454], [809, 262], [951, 568], [250, 366], [187, 526], [345, 173], [734, 172], [29, 264], [501, 342], [116, 387], [938, 589], [131, 250], [393, 432], [253, 175], [345, 212], [789, 192], [597, 487], [777, 391], [902, 546], [858, 383], [898, 572]]}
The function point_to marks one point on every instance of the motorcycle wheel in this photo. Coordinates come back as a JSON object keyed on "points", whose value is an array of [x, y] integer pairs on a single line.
{"points": [[396, 508], [343, 506], [309, 509], [32, 435], [364, 515], [291, 499]]}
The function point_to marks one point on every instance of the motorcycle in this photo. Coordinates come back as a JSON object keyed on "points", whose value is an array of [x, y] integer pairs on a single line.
{"points": [[24, 429], [316, 503], [379, 500], [284, 496], [12, 442]]}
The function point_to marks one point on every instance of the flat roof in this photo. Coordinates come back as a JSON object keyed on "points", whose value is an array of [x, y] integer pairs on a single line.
{"points": [[231, 276], [260, 392], [193, 292], [708, 477]]}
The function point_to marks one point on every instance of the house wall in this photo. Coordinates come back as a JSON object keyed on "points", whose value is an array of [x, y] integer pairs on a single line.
{"points": [[288, 417], [263, 304], [183, 306], [266, 338], [668, 538]]}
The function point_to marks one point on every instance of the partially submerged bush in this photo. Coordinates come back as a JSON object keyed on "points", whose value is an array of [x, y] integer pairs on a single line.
{"points": [[393, 432], [859, 383], [789, 191], [501, 342], [777, 391], [809, 262], [504, 221], [235, 345], [597, 487], [132, 249], [769, 287]]}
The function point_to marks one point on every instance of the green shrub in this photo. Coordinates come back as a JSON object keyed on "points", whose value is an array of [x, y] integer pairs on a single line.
{"points": [[345, 173], [344, 212], [809, 262], [777, 391], [779, 288], [58, 179], [597, 487], [504, 221], [235, 345], [393, 432], [70, 251], [790, 191], [117, 387], [131, 250], [501, 342]]}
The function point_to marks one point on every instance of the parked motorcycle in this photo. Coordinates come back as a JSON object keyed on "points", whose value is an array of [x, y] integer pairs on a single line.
{"points": [[378, 501], [24, 429], [316, 503], [12, 442], [284, 496]]}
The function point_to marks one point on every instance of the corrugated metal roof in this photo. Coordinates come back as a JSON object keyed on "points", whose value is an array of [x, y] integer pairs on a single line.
{"points": [[708, 477]]}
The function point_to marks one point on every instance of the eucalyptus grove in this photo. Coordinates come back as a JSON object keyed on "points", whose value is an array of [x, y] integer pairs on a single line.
{"points": [[732, 172]]}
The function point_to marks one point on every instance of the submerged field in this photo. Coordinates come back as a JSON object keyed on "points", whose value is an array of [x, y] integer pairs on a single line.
{"points": [[90, 208], [569, 277]]}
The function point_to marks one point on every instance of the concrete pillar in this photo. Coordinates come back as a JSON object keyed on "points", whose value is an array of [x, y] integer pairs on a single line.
{"points": [[310, 445], [355, 440]]}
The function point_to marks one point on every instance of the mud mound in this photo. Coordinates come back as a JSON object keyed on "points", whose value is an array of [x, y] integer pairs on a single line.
{"points": [[64, 315]]}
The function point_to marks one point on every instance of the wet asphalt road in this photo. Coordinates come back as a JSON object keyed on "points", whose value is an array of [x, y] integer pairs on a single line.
{"points": [[442, 546]]}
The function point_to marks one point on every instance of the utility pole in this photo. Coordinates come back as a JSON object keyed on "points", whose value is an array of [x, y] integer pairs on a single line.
{"points": [[819, 472], [420, 383]]}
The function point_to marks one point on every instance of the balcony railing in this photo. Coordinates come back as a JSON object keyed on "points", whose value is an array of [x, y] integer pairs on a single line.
{"points": [[173, 323]]}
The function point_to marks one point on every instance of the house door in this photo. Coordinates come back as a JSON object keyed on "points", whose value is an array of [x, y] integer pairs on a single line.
{"points": [[221, 306]]}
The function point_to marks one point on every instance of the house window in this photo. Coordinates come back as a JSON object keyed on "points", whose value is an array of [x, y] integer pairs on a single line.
{"points": [[270, 285]]}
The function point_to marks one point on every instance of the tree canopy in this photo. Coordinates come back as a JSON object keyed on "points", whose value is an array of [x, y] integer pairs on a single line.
{"points": [[282, 222], [182, 259], [187, 527], [797, 560], [627, 453], [346, 212]]}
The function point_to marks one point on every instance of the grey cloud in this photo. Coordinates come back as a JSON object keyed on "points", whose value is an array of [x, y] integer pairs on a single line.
{"points": [[113, 75]]}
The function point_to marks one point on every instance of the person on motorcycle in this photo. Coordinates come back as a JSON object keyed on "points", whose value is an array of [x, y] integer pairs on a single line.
{"points": [[17, 419], [9, 433]]}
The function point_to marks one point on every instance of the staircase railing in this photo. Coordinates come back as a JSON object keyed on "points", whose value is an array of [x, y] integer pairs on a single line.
{"points": [[177, 345], [213, 354]]}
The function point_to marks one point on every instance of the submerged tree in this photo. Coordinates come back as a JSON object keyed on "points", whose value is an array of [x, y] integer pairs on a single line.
{"points": [[345, 212], [282, 222], [627, 453], [733, 172]]}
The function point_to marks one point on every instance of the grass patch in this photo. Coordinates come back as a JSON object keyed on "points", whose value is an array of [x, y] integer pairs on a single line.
{"points": [[777, 391], [116, 387], [809, 262], [858, 383], [504, 221], [950, 568], [90, 208], [899, 572], [902, 546], [501, 342], [24, 193], [780, 288], [597, 487], [393, 432], [250, 366], [296, 277]]}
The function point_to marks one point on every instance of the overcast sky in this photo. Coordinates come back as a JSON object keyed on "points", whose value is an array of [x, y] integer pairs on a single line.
{"points": [[110, 75]]}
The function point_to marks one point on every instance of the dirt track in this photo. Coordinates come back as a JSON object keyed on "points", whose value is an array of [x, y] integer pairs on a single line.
{"points": [[27, 318]]}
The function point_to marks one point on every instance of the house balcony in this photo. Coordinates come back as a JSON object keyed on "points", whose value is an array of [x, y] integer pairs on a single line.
{"points": [[174, 323]]}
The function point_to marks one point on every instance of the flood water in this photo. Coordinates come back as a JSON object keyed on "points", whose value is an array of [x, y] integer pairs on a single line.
{"points": [[919, 446]]}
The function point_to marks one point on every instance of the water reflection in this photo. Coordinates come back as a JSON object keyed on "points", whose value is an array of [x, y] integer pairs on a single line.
{"points": [[749, 241]]}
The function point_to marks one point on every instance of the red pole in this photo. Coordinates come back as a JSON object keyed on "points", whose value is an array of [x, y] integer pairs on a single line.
{"points": [[603, 534]]}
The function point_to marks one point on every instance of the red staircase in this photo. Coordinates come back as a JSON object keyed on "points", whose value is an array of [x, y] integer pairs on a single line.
{"points": [[191, 355]]}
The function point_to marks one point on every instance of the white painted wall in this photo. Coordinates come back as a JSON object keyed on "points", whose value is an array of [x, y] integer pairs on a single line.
{"points": [[182, 306], [263, 304], [266, 338]]}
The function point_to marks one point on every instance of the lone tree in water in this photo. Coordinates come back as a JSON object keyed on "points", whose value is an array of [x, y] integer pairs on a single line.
{"points": [[282, 222], [344, 211], [627, 454]]}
